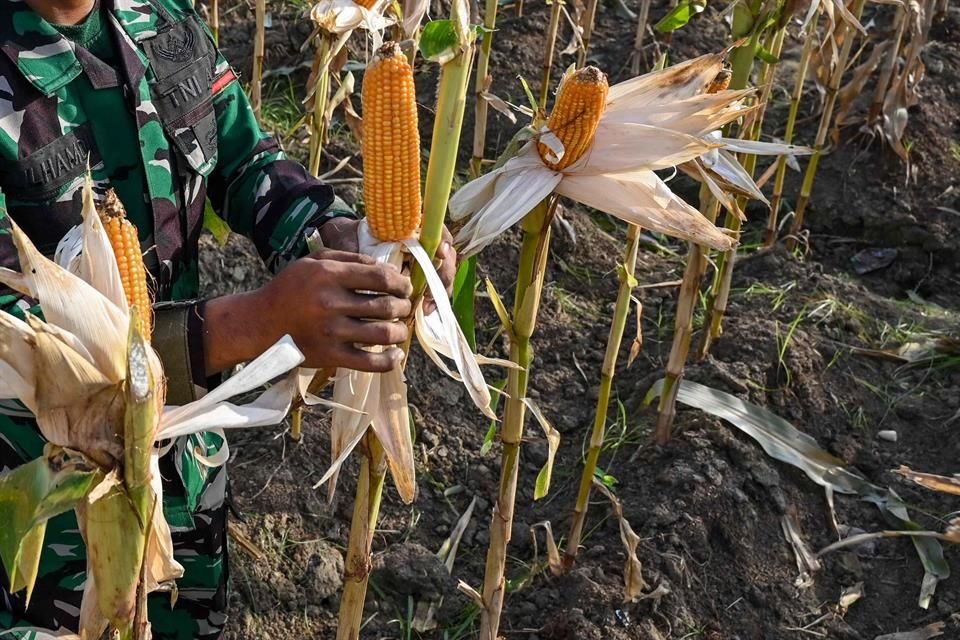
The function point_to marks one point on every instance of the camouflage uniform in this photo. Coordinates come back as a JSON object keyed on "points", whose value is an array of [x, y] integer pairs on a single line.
{"points": [[164, 121]]}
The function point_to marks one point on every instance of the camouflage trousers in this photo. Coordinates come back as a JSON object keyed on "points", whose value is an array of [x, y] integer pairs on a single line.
{"points": [[196, 508]]}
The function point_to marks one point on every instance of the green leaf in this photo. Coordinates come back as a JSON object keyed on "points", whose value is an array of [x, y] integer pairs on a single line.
{"points": [[491, 435], [500, 308], [464, 289], [439, 41], [766, 55], [679, 16], [215, 224], [30, 495], [605, 478], [530, 99]]}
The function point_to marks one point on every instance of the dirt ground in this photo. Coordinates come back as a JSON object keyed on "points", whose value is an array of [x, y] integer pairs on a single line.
{"points": [[708, 506]]}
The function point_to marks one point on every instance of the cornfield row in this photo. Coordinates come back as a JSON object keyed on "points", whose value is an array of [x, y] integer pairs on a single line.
{"points": [[583, 140]]}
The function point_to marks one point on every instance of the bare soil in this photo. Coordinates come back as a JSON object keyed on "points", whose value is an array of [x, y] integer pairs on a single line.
{"points": [[708, 506]]}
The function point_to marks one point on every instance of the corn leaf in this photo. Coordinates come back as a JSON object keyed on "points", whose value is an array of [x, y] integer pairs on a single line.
{"points": [[30, 495], [776, 436], [464, 288], [491, 434], [932, 630], [633, 582], [439, 41], [785, 443], [542, 486], [680, 15], [216, 225], [931, 480]]}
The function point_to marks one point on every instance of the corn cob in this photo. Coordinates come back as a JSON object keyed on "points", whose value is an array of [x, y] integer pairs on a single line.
{"points": [[391, 146], [576, 113], [126, 249], [366, 4], [721, 82]]}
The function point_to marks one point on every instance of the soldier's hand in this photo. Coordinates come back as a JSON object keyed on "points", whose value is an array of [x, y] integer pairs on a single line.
{"points": [[331, 303], [341, 234]]}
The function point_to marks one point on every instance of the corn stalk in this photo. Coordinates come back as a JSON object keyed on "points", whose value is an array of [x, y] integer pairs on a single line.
{"points": [[747, 21], [259, 39], [448, 121], [140, 422], [556, 8], [772, 221], [215, 20], [483, 85], [621, 310], [806, 189], [683, 325], [366, 510], [589, 18], [642, 19], [526, 303], [321, 98]]}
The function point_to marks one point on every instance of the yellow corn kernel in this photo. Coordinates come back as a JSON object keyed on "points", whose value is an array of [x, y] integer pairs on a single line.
{"points": [[126, 249], [721, 82], [391, 146], [576, 113], [366, 4]]}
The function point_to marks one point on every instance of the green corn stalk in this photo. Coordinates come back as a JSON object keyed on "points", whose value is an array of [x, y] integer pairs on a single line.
{"points": [[748, 21], [526, 304], [620, 312], [448, 121]]}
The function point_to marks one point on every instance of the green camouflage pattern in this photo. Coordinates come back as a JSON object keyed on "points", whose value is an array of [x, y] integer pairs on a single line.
{"points": [[164, 121]]}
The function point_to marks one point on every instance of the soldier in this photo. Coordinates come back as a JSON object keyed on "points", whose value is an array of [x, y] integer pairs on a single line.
{"points": [[138, 89]]}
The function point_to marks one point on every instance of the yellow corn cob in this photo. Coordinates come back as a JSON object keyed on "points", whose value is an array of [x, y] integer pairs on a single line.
{"points": [[391, 146], [366, 4], [721, 82], [126, 249], [576, 113]]}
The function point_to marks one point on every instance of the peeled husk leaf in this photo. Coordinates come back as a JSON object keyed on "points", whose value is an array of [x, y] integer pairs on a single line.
{"points": [[30, 495]]}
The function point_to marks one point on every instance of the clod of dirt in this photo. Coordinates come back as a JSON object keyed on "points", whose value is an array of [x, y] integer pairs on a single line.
{"points": [[410, 569], [322, 570]]}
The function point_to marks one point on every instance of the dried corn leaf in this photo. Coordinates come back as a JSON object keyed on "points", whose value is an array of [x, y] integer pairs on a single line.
{"points": [[932, 481], [807, 562], [774, 434], [542, 487], [554, 563], [854, 88], [785, 443], [425, 618], [932, 630], [632, 576]]}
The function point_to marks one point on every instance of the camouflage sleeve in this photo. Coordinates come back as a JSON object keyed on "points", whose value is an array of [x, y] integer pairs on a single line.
{"points": [[11, 301], [259, 191]]}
